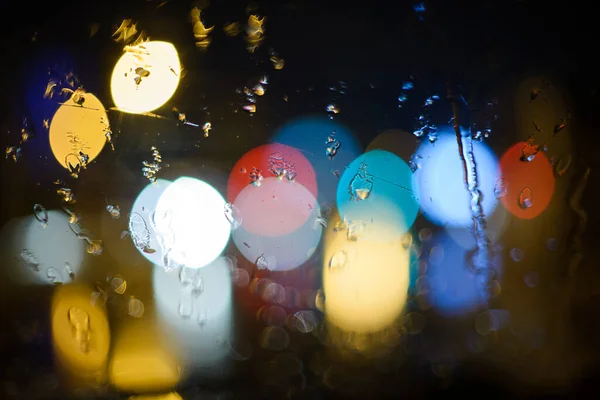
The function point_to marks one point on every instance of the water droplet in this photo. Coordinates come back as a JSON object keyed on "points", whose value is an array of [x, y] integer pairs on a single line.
{"points": [[261, 263], [69, 271], [54, 276], [240, 277], [202, 318], [41, 214], [80, 328], [118, 284], [30, 260], [94, 247], [255, 176], [500, 187], [338, 261], [425, 234], [305, 321], [135, 307], [492, 321], [436, 255], [361, 184], [552, 244], [114, 211], [233, 215], [517, 254], [525, 198], [414, 163], [532, 279], [186, 306], [333, 146], [332, 109], [407, 85], [274, 338], [320, 300]]}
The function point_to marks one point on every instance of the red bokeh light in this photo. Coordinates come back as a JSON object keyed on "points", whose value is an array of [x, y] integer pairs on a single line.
{"points": [[533, 180]]}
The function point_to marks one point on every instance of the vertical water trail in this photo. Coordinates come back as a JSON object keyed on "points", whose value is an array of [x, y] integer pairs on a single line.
{"points": [[465, 151]]}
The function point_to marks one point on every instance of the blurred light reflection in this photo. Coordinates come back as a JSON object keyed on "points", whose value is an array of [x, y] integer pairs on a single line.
{"points": [[145, 77], [191, 213], [34, 254], [310, 136], [194, 307], [440, 181], [365, 282], [390, 197]]}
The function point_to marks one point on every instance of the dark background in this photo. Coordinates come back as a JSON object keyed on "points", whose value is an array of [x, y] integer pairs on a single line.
{"points": [[478, 47]]}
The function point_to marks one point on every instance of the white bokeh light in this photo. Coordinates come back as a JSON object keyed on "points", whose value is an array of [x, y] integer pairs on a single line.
{"points": [[142, 213], [191, 213]]}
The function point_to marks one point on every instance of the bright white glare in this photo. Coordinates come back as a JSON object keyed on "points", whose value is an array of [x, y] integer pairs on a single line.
{"points": [[365, 282], [143, 211], [155, 83], [36, 255], [440, 181], [197, 323], [191, 212]]}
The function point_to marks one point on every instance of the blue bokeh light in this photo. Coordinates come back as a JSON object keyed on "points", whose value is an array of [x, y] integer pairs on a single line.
{"points": [[390, 196], [309, 135], [440, 181]]}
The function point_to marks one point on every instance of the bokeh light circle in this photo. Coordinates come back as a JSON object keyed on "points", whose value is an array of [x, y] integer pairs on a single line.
{"points": [[365, 282], [440, 181], [390, 196], [161, 61], [192, 212], [34, 254], [310, 136], [535, 175], [283, 252], [193, 321], [262, 157], [275, 208], [142, 213], [78, 128]]}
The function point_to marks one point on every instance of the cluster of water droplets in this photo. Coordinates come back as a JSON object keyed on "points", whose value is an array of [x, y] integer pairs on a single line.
{"points": [[281, 167], [332, 146], [424, 127], [403, 96], [151, 168]]}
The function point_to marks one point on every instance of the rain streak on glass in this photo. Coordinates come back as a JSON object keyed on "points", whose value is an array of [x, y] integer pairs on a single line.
{"points": [[361, 184], [41, 214], [138, 230]]}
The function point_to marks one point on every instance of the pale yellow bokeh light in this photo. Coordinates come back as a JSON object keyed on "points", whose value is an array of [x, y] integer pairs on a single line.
{"points": [[140, 363], [78, 128], [366, 287], [154, 83], [80, 332], [166, 396]]}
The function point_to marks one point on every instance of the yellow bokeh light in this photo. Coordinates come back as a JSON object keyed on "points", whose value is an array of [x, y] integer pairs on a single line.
{"points": [[145, 77], [365, 281], [80, 332], [140, 363], [78, 128]]}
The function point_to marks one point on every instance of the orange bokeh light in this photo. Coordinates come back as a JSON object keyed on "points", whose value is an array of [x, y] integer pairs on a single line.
{"points": [[519, 176]]}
